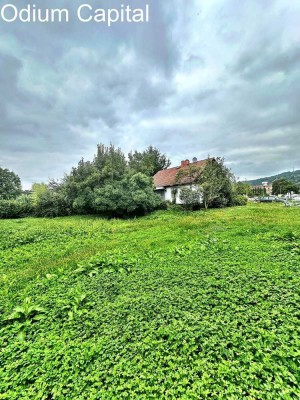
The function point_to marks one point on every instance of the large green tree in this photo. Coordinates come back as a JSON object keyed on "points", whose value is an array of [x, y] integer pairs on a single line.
{"points": [[132, 194], [216, 183], [243, 188], [213, 181], [10, 185], [148, 162], [109, 185]]}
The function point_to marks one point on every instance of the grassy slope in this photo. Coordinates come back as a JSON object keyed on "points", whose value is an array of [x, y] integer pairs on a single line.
{"points": [[209, 309]]}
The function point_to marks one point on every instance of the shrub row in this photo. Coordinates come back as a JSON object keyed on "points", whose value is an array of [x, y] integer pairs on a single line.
{"points": [[21, 207], [51, 205]]}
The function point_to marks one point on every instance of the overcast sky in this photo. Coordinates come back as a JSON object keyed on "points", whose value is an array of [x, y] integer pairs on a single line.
{"points": [[217, 77]]}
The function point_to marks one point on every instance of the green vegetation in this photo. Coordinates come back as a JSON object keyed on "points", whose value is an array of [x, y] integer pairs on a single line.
{"points": [[111, 185], [10, 185], [258, 191], [169, 306], [108, 185], [243, 188], [148, 162], [213, 183], [283, 186]]}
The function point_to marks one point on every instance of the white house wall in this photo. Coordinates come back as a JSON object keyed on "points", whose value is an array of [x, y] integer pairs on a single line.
{"points": [[169, 196]]}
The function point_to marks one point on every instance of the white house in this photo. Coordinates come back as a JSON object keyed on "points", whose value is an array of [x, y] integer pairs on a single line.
{"points": [[166, 184]]}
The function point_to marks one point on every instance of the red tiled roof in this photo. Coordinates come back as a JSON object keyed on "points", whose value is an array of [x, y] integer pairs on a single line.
{"points": [[167, 177]]}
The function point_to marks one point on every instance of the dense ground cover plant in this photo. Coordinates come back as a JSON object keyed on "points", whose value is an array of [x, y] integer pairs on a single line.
{"points": [[23, 316], [169, 306]]}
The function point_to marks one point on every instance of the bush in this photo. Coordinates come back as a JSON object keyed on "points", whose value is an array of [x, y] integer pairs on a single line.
{"points": [[9, 209], [239, 200], [51, 204], [19, 208], [189, 197], [220, 202], [133, 195], [168, 205]]}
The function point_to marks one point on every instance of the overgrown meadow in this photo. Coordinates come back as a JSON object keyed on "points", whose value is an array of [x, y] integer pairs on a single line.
{"points": [[202, 305]]}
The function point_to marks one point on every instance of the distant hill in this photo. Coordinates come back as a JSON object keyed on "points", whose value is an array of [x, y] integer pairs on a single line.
{"points": [[290, 176]]}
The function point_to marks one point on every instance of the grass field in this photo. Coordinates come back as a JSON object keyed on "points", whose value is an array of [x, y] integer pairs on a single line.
{"points": [[202, 305]]}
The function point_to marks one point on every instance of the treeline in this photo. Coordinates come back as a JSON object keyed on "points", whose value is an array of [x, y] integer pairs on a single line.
{"points": [[283, 186], [115, 185], [110, 184]]}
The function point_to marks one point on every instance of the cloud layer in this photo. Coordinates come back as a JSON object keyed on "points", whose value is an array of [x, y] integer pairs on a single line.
{"points": [[218, 77]]}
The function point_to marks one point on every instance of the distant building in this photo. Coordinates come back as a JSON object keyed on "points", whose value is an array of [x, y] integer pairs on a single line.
{"points": [[265, 187]]}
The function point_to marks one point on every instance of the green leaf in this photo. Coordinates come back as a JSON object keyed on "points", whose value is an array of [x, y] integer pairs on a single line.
{"points": [[21, 336]]}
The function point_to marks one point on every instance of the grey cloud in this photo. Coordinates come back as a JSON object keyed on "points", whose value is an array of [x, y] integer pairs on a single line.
{"points": [[264, 62], [205, 94]]}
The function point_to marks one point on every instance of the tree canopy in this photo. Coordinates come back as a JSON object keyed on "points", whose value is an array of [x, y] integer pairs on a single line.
{"points": [[214, 182], [10, 185], [243, 188], [148, 162], [110, 184], [283, 186]]}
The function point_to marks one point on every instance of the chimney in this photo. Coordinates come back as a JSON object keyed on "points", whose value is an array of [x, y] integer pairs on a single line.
{"points": [[184, 163]]}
